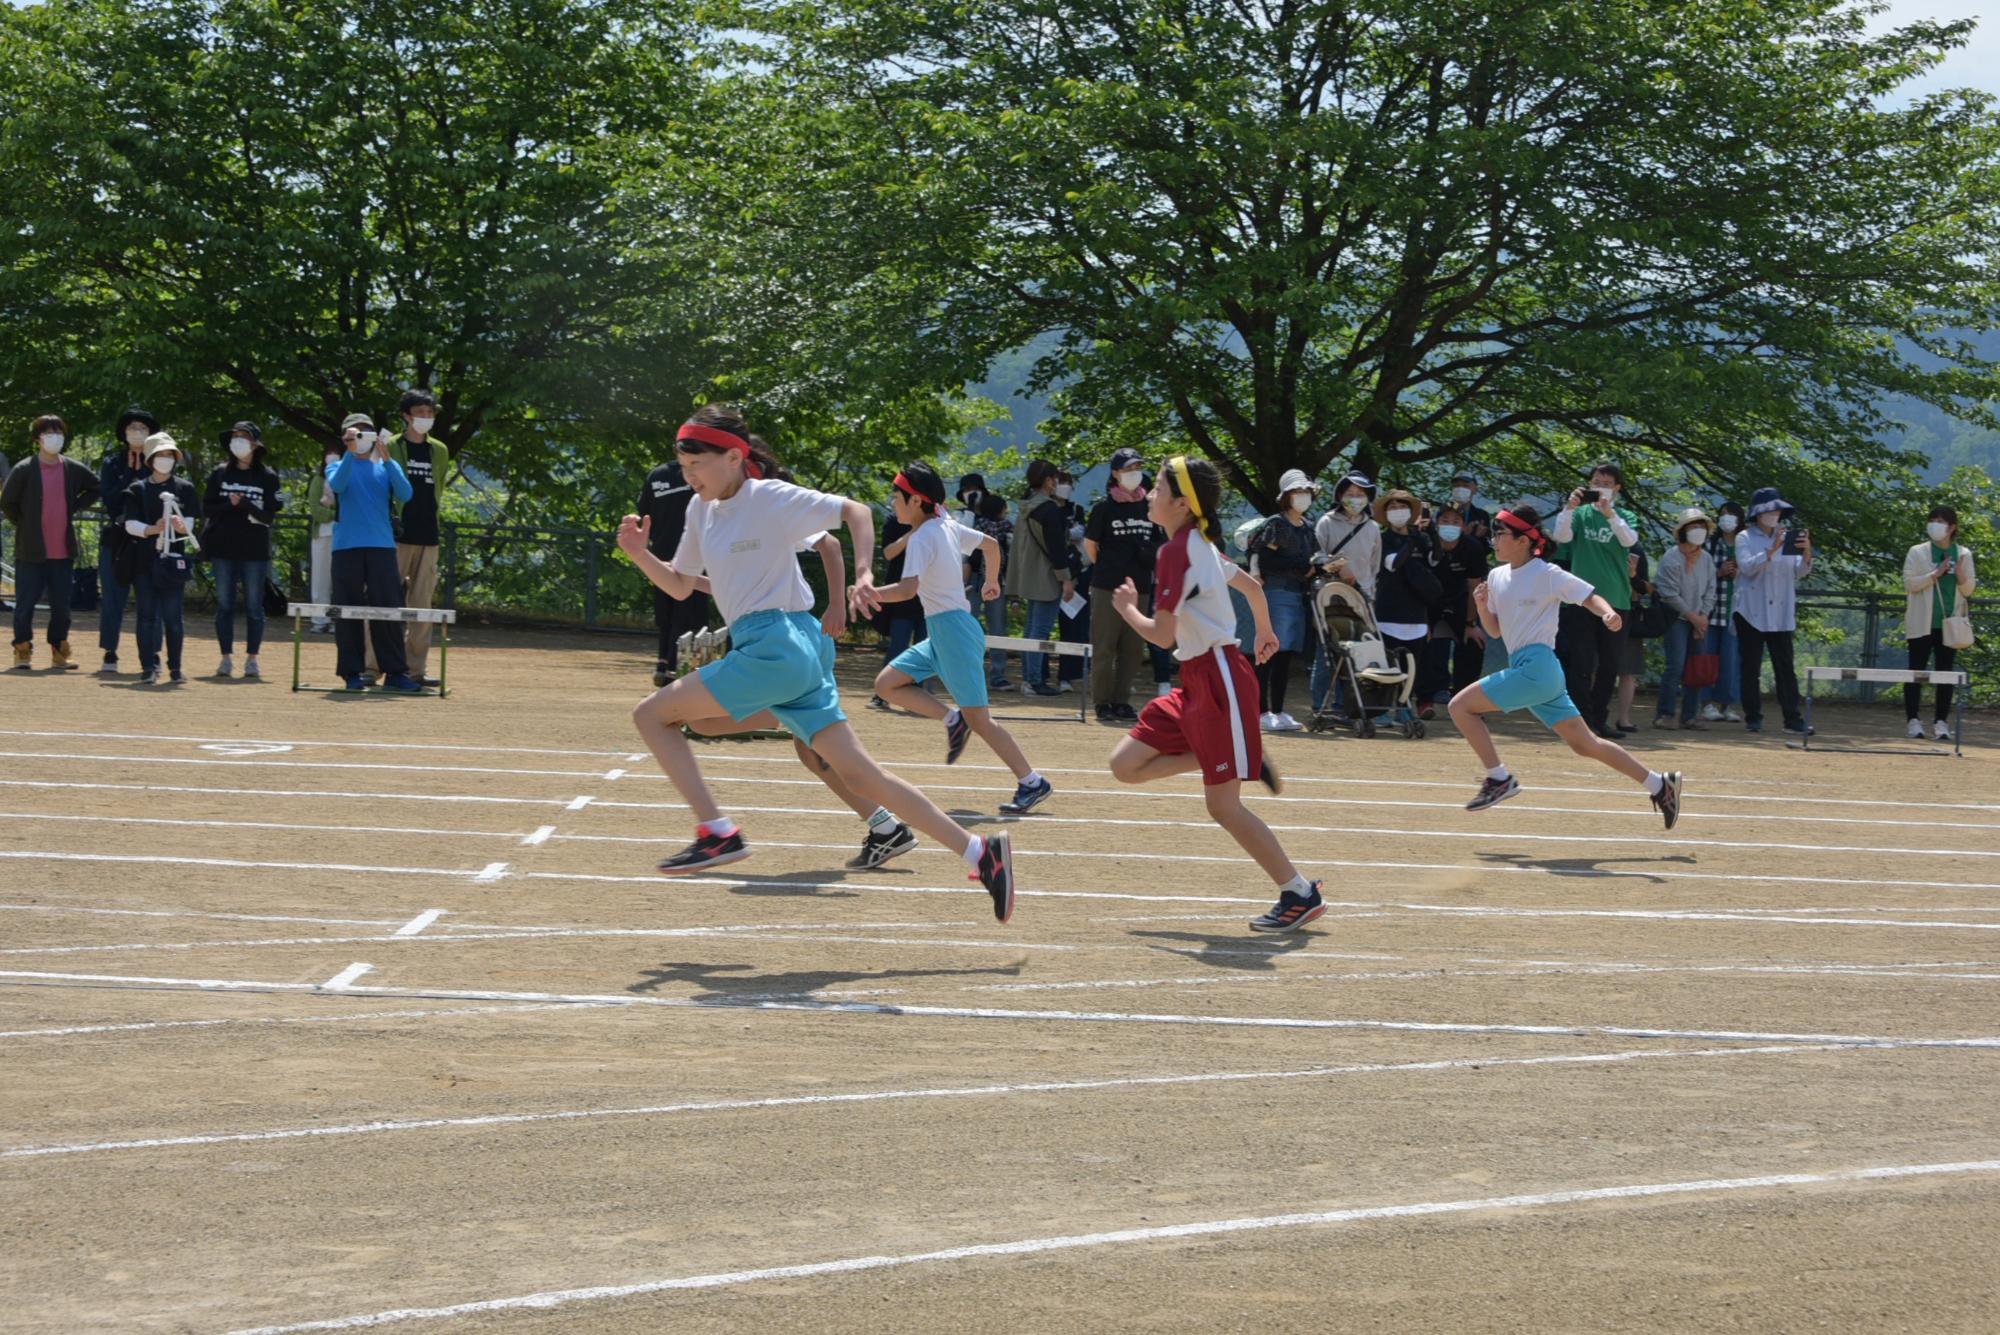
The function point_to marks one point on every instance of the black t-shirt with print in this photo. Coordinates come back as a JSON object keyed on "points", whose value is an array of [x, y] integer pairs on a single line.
{"points": [[1127, 543], [420, 512]]}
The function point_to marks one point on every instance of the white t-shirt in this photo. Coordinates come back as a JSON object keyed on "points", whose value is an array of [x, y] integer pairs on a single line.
{"points": [[1191, 580], [749, 544], [1525, 600], [936, 555]]}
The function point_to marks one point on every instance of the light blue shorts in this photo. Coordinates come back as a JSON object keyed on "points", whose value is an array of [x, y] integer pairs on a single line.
{"points": [[1532, 680], [780, 661], [954, 651]]}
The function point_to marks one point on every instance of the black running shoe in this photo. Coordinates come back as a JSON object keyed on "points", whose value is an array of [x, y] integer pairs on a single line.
{"points": [[1027, 796], [877, 849], [955, 737], [1493, 792], [1267, 774], [996, 873], [707, 850], [1291, 912], [1668, 800], [662, 674]]}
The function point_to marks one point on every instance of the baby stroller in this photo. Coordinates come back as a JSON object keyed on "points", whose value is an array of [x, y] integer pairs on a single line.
{"points": [[1378, 689]]}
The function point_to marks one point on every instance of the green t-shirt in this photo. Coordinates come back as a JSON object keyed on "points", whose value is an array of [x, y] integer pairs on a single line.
{"points": [[1594, 553], [1944, 593]]}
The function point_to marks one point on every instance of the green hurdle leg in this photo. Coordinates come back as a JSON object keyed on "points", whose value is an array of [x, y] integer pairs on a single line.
{"points": [[444, 659], [298, 641]]}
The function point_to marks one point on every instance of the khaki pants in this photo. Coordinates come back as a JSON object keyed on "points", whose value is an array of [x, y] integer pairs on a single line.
{"points": [[419, 569], [1116, 650]]}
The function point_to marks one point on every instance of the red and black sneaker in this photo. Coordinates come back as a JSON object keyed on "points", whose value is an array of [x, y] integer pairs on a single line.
{"points": [[996, 873], [707, 850]]}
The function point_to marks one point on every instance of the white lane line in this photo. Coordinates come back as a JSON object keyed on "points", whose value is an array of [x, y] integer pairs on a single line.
{"points": [[190, 913], [1143, 794], [540, 835], [149, 1025], [898, 1095], [787, 932], [266, 825], [343, 980], [1157, 1233], [1037, 1017], [314, 793], [421, 921], [490, 873], [580, 803]]}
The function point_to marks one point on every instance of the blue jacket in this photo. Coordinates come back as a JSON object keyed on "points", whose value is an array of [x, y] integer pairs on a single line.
{"points": [[365, 488]]}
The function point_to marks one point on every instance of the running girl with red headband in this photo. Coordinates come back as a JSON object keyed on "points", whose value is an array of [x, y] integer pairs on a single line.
{"points": [[1209, 721], [743, 529], [954, 647], [1518, 603]]}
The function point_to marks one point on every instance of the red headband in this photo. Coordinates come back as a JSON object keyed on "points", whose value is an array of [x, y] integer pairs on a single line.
{"points": [[903, 485], [726, 440], [1521, 528]]}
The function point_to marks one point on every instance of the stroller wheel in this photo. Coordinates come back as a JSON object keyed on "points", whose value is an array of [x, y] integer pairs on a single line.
{"points": [[1365, 728], [1422, 731]]}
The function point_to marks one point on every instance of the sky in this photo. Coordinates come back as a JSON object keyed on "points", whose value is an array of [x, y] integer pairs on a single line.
{"points": [[1975, 65]]}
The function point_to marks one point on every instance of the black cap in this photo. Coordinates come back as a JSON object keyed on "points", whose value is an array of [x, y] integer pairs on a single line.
{"points": [[1465, 477], [1126, 457], [136, 414]]}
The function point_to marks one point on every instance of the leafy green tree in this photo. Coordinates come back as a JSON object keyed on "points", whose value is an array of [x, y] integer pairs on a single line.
{"points": [[1696, 236]]}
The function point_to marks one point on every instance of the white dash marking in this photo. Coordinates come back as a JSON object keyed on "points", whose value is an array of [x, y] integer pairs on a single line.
{"points": [[1159, 1233], [580, 803], [614, 774], [490, 873], [540, 836], [343, 980], [418, 923]]}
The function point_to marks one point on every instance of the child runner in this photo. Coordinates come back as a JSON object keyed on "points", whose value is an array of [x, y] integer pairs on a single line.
{"points": [[1518, 603], [955, 650], [1209, 721], [744, 529]]}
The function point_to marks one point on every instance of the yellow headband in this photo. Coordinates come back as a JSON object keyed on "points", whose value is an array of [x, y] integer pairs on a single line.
{"points": [[1178, 465]]}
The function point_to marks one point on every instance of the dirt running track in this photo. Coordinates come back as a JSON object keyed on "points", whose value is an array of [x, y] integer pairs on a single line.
{"points": [[323, 1013]]}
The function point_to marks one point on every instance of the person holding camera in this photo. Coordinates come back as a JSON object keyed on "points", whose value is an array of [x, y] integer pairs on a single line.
{"points": [[160, 512], [1938, 576], [365, 573], [1772, 556], [1592, 537]]}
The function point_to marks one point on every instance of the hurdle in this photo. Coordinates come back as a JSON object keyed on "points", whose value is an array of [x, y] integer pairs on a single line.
{"points": [[440, 617], [1893, 676], [1058, 648]]}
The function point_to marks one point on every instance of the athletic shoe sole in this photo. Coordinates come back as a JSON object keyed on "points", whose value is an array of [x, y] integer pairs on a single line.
{"points": [[1310, 915], [1476, 804], [1023, 806], [721, 860]]}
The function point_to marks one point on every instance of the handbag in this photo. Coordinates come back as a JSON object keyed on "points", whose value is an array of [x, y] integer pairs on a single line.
{"points": [[1649, 618], [1956, 633], [1702, 671]]}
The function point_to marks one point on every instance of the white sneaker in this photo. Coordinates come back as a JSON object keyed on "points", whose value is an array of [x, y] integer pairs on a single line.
{"points": [[1710, 714], [1286, 723], [1916, 729], [1942, 732], [1268, 722], [1163, 688], [1733, 714], [1066, 685], [227, 666], [250, 668]]}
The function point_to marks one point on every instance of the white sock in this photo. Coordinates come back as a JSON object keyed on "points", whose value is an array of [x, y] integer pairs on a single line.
{"points": [[1032, 777], [951, 719], [1298, 885], [1654, 782], [881, 822], [974, 851], [721, 827], [1498, 774]]}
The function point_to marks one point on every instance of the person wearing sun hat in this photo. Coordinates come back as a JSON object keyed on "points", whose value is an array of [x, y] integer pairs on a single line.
{"points": [[1283, 554], [1685, 583], [160, 511], [1767, 605]]}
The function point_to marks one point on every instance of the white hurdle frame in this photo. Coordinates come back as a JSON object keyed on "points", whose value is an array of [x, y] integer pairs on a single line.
{"points": [[1890, 676], [1060, 649], [444, 618]]}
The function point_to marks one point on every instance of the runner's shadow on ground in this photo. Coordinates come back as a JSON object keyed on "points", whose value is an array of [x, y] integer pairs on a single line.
{"points": [[1246, 954], [723, 984], [803, 885], [1586, 866]]}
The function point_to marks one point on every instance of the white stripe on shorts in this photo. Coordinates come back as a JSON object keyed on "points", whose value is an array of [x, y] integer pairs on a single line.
{"points": [[1221, 652]]}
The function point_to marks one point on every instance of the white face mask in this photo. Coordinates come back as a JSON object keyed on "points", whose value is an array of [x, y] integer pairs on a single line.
{"points": [[1449, 532], [972, 498], [1130, 479], [1768, 521], [1695, 537], [240, 447], [1302, 502], [1461, 494], [52, 441], [1062, 491], [1728, 523], [1398, 517], [163, 464], [1939, 532], [1354, 504], [135, 435], [422, 425]]}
